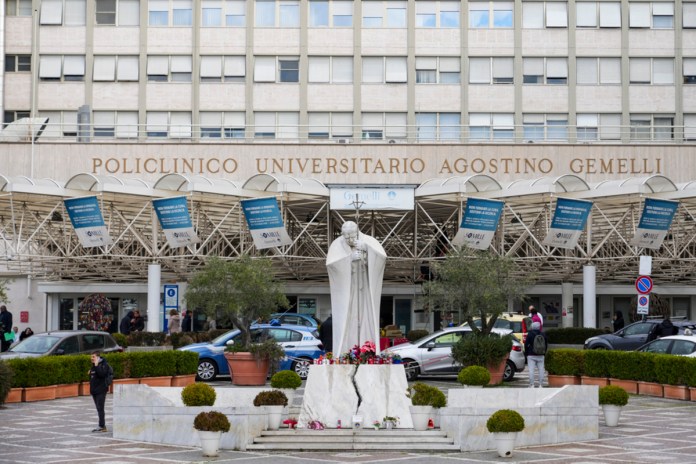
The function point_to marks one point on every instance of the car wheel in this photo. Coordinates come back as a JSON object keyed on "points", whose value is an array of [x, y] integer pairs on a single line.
{"points": [[509, 371], [412, 369], [207, 370], [301, 367]]}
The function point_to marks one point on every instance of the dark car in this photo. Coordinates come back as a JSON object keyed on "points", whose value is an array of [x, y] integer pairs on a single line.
{"points": [[60, 342], [632, 336]]}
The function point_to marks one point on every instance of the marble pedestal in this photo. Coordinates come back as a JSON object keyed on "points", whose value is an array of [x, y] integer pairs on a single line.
{"points": [[340, 391]]}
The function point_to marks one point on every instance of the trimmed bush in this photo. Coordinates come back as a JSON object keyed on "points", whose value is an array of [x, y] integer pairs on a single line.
{"points": [[572, 335], [505, 421], [286, 379], [198, 394], [186, 362], [146, 338], [481, 350], [671, 370], [596, 363], [271, 398], [474, 375], [6, 376], [622, 364], [690, 368], [611, 394], [212, 421], [422, 394], [416, 334], [565, 361], [121, 339]]}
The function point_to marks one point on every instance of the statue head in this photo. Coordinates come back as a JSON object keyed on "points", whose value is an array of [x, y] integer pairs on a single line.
{"points": [[349, 230]]}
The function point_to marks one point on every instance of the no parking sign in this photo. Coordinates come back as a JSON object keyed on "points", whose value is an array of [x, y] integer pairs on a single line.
{"points": [[643, 304]]}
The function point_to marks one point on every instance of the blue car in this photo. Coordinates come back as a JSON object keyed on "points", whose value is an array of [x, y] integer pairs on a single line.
{"points": [[301, 345]]}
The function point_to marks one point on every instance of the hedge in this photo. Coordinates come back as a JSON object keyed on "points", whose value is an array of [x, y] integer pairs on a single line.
{"points": [[565, 361], [571, 335], [56, 370]]}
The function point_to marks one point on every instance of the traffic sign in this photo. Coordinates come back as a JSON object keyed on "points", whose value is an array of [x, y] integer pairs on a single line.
{"points": [[643, 304], [644, 284]]}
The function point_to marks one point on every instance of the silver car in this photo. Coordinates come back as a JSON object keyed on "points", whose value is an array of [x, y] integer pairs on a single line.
{"points": [[432, 354]]}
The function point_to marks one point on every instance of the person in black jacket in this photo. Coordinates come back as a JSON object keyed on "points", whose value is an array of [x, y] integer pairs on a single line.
{"points": [[98, 387], [124, 327], [137, 323], [5, 328], [326, 334], [618, 322]]}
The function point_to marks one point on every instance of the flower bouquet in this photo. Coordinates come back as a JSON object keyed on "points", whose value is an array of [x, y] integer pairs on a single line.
{"points": [[376, 424], [291, 422]]}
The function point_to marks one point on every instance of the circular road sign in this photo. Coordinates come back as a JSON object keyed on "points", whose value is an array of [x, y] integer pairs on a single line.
{"points": [[644, 285], [642, 300]]}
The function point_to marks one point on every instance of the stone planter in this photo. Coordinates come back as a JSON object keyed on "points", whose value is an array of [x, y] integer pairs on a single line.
{"points": [[692, 391], [420, 416], [561, 380], [245, 369], [183, 380], [39, 393], [505, 443], [677, 392], [497, 372], [15, 395], [611, 414], [83, 390], [120, 382], [275, 413], [599, 381], [650, 389], [68, 390], [631, 386], [156, 381], [210, 442]]}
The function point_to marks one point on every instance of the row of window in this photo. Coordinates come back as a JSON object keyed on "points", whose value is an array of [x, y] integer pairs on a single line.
{"points": [[374, 126], [375, 14], [339, 69]]}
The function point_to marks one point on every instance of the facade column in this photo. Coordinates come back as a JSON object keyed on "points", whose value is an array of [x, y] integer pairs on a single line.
{"points": [[589, 297], [567, 304], [153, 297]]}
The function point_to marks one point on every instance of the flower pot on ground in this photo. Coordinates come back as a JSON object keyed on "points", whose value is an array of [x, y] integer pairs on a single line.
{"points": [[650, 389], [489, 351], [47, 392], [210, 426], [390, 422], [287, 382], [274, 401], [599, 381], [631, 386], [183, 380], [676, 392], [67, 390], [504, 424], [249, 364], [612, 398], [474, 376], [564, 366], [423, 399]]}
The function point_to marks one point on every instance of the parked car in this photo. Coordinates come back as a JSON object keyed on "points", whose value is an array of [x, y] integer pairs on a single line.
{"points": [[301, 345], [59, 342], [432, 354], [633, 335], [306, 320], [682, 345]]}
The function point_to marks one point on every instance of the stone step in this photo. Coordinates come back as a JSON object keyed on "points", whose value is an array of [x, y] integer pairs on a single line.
{"points": [[310, 446], [349, 439], [304, 433]]}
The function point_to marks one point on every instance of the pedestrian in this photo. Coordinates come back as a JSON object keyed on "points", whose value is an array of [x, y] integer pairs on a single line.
{"points": [[174, 325], [98, 387], [137, 324], [15, 335], [6, 334], [326, 334], [536, 316], [618, 322], [186, 322], [124, 326], [26, 333], [535, 348]]}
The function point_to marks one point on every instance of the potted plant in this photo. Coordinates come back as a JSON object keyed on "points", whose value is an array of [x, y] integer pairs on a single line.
{"points": [[287, 382], [423, 399], [376, 424], [564, 366], [390, 422], [274, 402], [474, 376], [504, 425], [240, 291], [612, 399], [210, 426]]}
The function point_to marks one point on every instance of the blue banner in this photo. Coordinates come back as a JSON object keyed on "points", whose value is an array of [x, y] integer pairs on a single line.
{"points": [[654, 223], [87, 220], [479, 223], [568, 222], [174, 217], [265, 222]]}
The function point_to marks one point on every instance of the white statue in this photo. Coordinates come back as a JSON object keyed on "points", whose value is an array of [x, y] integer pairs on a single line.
{"points": [[356, 265]]}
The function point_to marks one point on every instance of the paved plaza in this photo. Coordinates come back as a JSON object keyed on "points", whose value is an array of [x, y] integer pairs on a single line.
{"points": [[59, 431]]}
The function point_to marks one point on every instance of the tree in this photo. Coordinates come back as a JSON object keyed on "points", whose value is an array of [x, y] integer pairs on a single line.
{"points": [[243, 290], [4, 284], [477, 284]]}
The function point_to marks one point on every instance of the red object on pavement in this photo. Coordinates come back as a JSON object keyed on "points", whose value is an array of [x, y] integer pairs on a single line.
{"points": [[431, 424]]}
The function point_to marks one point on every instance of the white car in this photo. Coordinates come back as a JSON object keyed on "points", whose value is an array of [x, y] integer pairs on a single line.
{"points": [[432, 354], [682, 345]]}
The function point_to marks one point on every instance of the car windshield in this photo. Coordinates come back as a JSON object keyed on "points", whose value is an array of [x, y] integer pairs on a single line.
{"points": [[222, 338], [36, 345]]}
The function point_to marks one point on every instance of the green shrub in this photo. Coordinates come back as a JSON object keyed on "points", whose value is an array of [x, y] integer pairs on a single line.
{"points": [[691, 372], [645, 366], [622, 364], [481, 350], [286, 379], [596, 363], [146, 338], [121, 363], [422, 394], [198, 394], [474, 375], [505, 421], [211, 421], [565, 361], [271, 398], [152, 363], [121, 339], [671, 370], [611, 394], [572, 335], [186, 362], [6, 378], [20, 374], [416, 334]]}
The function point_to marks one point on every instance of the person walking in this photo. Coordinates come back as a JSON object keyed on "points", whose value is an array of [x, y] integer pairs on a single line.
{"points": [[98, 387], [535, 348], [536, 316], [124, 326], [174, 325], [618, 322], [6, 334]]}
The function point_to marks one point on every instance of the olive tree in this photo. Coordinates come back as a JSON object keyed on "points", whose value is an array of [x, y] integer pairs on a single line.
{"points": [[243, 290]]}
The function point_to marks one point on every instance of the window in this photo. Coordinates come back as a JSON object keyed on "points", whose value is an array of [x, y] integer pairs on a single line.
{"points": [[223, 68], [651, 15], [60, 124], [483, 126], [487, 15], [104, 123], [690, 127], [280, 125], [689, 65], [651, 71], [18, 8], [62, 68], [182, 13], [437, 70], [229, 125], [63, 12], [380, 126], [330, 125], [175, 124], [17, 63], [115, 68], [556, 71], [592, 126], [652, 127], [441, 14], [330, 69], [92, 342], [593, 71], [158, 12], [386, 14], [281, 13], [276, 69], [496, 70], [379, 70], [176, 68], [217, 13], [537, 15], [117, 12], [11, 116], [289, 69], [602, 14], [689, 15], [545, 127], [438, 126]]}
